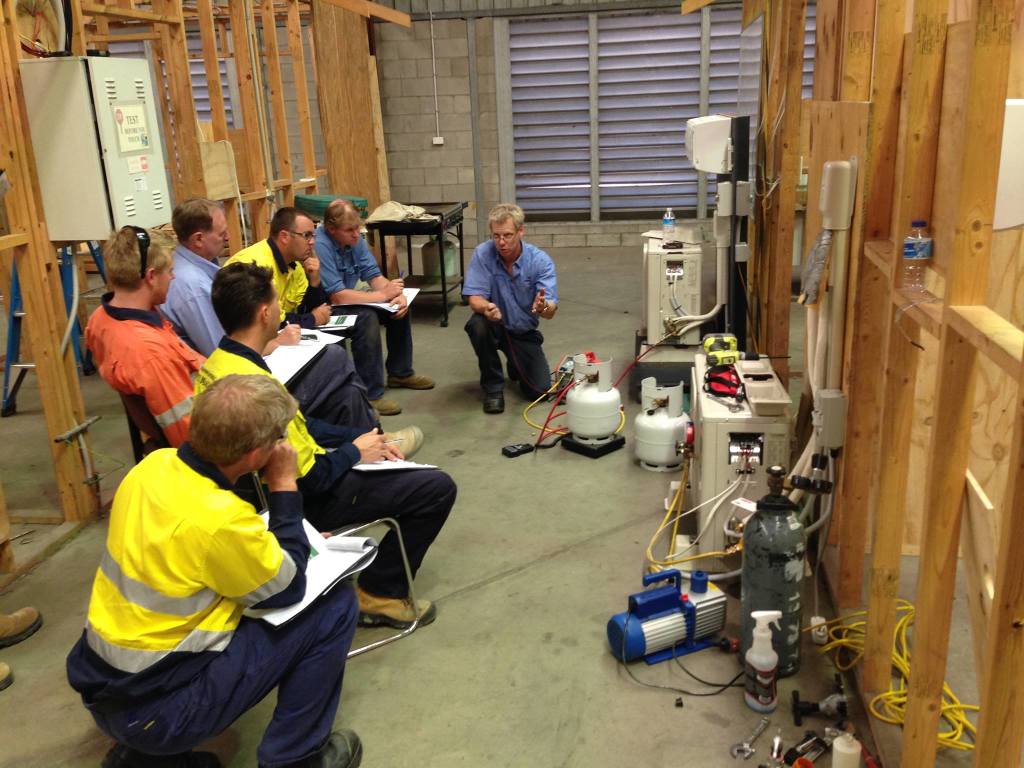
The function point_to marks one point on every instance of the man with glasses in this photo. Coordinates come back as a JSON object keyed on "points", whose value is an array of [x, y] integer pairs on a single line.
{"points": [[345, 260], [135, 349], [510, 285], [329, 388], [288, 254], [334, 494]]}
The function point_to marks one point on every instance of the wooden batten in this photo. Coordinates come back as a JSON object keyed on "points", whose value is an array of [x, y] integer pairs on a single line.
{"points": [[7, 562], [277, 109], [771, 269], [63, 407], [295, 48], [218, 163], [988, 67], [255, 191]]}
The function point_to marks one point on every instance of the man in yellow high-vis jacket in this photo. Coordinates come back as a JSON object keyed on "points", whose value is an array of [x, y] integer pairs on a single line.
{"points": [[334, 494], [167, 658]]}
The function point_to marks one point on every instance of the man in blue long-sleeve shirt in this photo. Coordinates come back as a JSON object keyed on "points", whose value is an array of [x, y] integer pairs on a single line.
{"points": [[167, 658]]}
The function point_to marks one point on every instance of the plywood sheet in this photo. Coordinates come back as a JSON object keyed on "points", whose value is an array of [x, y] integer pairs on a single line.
{"points": [[219, 169], [346, 110]]}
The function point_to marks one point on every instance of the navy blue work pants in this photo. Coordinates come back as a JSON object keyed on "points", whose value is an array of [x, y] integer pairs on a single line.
{"points": [[304, 659], [367, 351], [330, 389], [419, 499], [525, 353]]}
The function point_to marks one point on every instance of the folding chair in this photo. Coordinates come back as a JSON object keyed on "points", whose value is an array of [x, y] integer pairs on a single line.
{"points": [[389, 522], [141, 424]]}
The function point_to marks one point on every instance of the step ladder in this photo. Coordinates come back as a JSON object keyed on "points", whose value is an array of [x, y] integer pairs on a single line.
{"points": [[13, 366]]}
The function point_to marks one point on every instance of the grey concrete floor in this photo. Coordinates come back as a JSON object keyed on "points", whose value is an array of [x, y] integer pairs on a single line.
{"points": [[538, 553]]}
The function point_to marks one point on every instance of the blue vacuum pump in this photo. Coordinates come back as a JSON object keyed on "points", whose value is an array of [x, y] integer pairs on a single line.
{"points": [[665, 622]]}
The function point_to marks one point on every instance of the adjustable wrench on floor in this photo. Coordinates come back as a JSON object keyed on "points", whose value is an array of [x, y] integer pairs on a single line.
{"points": [[745, 749]]}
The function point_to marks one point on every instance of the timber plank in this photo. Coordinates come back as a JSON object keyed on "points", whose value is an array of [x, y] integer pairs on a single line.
{"points": [[892, 470], [295, 48], [1002, 717], [858, 44], [283, 159], [208, 33], [996, 338], [241, 43]]}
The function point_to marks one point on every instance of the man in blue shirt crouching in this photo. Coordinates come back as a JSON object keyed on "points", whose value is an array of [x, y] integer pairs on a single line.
{"points": [[510, 285]]}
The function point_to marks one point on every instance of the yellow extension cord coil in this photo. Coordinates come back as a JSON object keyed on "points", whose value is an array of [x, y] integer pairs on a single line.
{"points": [[890, 707]]}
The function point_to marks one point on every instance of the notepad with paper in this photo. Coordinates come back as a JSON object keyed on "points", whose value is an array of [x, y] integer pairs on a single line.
{"points": [[387, 306], [330, 561], [385, 465], [288, 360], [338, 323]]}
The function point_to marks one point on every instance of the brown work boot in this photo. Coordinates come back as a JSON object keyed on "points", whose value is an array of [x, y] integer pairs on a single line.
{"points": [[392, 611], [386, 407], [16, 626], [408, 440], [6, 676], [412, 381]]}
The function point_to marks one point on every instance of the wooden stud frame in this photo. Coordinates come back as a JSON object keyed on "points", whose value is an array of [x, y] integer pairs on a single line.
{"points": [[35, 257], [96, 23], [956, 69], [224, 31]]}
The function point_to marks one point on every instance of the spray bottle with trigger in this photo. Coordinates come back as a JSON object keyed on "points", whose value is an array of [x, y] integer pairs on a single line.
{"points": [[762, 664]]}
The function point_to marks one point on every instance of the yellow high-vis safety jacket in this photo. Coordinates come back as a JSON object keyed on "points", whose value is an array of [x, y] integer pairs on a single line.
{"points": [[289, 279], [224, 361], [185, 556]]}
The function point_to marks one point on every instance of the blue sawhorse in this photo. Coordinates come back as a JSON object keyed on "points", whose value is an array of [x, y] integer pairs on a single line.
{"points": [[16, 313]]}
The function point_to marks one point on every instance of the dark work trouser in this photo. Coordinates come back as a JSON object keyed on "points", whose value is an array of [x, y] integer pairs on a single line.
{"points": [[525, 353], [419, 499], [366, 347], [304, 659], [330, 389]]}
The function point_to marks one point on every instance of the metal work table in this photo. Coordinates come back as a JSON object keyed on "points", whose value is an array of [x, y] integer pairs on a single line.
{"points": [[449, 219]]}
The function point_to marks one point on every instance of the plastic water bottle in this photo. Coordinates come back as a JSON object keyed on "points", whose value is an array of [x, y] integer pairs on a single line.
{"points": [[917, 253], [668, 226]]}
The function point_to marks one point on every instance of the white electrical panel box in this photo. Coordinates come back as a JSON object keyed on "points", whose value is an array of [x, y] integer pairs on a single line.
{"points": [[672, 287], [731, 441], [96, 138]]}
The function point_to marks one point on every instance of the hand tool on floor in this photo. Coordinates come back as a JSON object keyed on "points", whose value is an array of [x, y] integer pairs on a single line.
{"points": [[745, 749], [832, 706], [811, 747]]}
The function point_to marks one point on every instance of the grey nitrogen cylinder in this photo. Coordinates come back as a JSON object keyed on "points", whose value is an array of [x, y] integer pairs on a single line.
{"points": [[773, 571]]}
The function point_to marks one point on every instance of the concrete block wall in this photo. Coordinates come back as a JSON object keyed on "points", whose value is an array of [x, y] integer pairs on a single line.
{"points": [[422, 172]]}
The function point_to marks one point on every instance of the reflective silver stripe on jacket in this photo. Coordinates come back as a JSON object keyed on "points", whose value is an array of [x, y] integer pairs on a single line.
{"points": [[135, 660], [174, 413], [144, 596], [279, 582]]}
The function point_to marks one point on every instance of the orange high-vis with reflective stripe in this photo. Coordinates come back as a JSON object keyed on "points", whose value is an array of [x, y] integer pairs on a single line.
{"points": [[138, 358]]}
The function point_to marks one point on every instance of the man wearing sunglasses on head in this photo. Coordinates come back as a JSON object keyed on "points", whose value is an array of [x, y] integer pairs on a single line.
{"points": [[135, 349], [288, 254]]}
